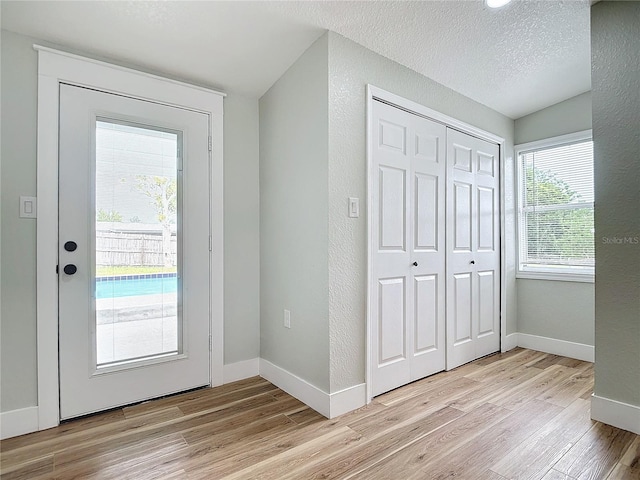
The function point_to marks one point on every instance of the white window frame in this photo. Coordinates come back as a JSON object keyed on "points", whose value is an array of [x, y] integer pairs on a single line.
{"points": [[544, 272], [55, 67]]}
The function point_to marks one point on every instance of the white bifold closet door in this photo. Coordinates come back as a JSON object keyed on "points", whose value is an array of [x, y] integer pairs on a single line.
{"points": [[434, 291], [408, 246], [473, 248]]}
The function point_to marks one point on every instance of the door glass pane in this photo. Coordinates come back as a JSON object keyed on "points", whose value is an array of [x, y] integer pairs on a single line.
{"points": [[137, 261]]}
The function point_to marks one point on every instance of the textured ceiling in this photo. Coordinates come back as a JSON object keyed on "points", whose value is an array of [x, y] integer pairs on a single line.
{"points": [[516, 60]]}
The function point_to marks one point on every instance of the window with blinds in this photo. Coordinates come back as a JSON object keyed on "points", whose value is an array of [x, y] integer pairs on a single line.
{"points": [[556, 230]]}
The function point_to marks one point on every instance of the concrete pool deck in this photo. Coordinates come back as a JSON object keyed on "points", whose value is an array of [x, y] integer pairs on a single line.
{"points": [[138, 307], [136, 326], [138, 338]]}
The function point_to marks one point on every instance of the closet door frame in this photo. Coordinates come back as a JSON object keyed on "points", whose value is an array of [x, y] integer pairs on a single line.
{"points": [[377, 94]]}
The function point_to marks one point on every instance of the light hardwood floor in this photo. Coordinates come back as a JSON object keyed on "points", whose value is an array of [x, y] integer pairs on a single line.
{"points": [[522, 414]]}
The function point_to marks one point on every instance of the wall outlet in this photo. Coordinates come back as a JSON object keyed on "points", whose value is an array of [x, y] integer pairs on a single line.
{"points": [[287, 319]]}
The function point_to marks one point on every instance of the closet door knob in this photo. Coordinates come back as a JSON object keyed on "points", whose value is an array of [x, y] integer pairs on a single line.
{"points": [[472, 262], [415, 264]]}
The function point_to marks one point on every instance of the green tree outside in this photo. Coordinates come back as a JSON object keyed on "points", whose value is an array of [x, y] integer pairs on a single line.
{"points": [[557, 235], [108, 216], [163, 193]]}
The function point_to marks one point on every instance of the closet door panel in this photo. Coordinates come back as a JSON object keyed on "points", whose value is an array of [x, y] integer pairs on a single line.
{"points": [[461, 219], [426, 218], [486, 302], [393, 192], [473, 248], [487, 250], [391, 290], [461, 308], [427, 312], [427, 263], [408, 247], [392, 321]]}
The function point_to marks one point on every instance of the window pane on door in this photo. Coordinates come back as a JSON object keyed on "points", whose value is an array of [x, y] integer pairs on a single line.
{"points": [[137, 260]]}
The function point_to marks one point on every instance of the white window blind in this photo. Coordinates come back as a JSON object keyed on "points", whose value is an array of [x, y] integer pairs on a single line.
{"points": [[556, 208]]}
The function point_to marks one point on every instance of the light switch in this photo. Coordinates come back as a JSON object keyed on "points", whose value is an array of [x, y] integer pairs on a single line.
{"points": [[28, 207], [354, 207]]}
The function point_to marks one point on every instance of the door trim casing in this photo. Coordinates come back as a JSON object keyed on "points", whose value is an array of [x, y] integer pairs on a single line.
{"points": [[55, 67], [378, 94]]}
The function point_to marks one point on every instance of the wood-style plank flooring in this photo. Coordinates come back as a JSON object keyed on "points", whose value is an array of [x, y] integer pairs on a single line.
{"points": [[519, 415]]}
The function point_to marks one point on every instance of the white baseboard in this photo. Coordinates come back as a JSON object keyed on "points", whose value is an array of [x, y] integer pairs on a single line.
{"points": [[618, 414], [18, 422], [578, 351], [510, 342], [329, 405], [347, 400], [241, 370], [296, 386]]}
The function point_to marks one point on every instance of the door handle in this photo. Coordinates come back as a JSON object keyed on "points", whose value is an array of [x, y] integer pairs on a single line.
{"points": [[472, 262], [70, 269], [415, 264], [70, 246]]}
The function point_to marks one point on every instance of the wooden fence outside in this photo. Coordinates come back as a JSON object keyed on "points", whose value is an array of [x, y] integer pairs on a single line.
{"points": [[132, 249]]}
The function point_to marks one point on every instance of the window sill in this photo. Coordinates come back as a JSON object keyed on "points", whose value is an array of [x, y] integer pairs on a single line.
{"points": [[557, 276]]}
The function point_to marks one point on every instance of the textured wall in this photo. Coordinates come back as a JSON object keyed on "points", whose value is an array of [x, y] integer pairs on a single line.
{"points": [[18, 296], [561, 310], [351, 68], [293, 219], [18, 171], [615, 76]]}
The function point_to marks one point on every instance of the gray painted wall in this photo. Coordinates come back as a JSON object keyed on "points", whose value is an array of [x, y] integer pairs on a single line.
{"points": [[553, 309], [572, 115], [241, 229], [615, 76], [556, 309], [293, 218], [18, 175], [351, 68], [18, 289]]}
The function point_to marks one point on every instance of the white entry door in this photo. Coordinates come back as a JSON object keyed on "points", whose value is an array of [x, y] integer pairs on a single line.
{"points": [[133, 250], [473, 248], [408, 247]]}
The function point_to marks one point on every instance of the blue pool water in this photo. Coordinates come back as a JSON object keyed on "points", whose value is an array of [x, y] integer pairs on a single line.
{"points": [[133, 285]]}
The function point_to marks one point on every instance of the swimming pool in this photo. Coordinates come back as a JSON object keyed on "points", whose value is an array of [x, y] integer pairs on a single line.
{"points": [[134, 285]]}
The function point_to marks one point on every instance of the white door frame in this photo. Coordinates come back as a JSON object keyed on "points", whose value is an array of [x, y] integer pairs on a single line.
{"points": [[54, 67], [375, 93]]}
